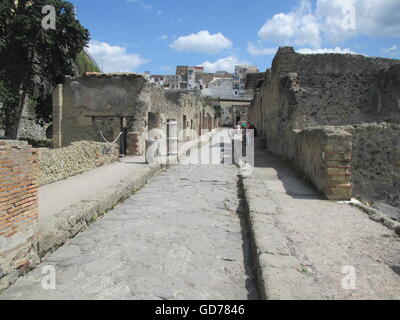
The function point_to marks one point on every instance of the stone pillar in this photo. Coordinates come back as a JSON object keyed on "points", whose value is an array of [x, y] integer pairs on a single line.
{"points": [[57, 116], [18, 209], [151, 151]]}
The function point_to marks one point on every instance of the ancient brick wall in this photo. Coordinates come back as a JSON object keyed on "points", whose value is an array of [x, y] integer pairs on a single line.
{"points": [[324, 156], [58, 164], [18, 208], [134, 145]]}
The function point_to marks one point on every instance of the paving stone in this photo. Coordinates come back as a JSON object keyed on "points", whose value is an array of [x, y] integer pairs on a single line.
{"points": [[168, 241]]}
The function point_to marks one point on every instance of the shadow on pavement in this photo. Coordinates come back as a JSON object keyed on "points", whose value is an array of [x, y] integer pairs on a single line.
{"points": [[293, 184]]}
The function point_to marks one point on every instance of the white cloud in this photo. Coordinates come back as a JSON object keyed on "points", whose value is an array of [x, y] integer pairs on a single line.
{"points": [[333, 22], [393, 50], [225, 64], [114, 58], [380, 18], [337, 20], [298, 27], [374, 18], [256, 50], [325, 50], [202, 42]]}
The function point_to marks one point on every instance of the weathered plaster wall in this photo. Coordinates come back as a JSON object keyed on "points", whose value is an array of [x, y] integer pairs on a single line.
{"points": [[59, 164], [79, 104], [82, 97]]}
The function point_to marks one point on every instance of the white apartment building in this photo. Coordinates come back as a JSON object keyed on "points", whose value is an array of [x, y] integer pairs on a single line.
{"points": [[218, 85], [218, 88], [239, 78]]}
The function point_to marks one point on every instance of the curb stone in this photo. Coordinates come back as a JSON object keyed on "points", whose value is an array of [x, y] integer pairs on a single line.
{"points": [[378, 216], [280, 274]]}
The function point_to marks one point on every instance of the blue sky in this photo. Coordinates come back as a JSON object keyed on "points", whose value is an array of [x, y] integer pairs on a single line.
{"points": [[157, 35]]}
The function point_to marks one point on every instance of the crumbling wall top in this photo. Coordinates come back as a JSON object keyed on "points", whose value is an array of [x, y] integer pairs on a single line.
{"points": [[288, 60]]}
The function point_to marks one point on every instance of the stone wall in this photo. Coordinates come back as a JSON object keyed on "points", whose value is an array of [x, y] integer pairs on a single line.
{"points": [[376, 161], [256, 110], [28, 128], [18, 209], [306, 91], [59, 164], [254, 80], [289, 61], [327, 89], [388, 97]]}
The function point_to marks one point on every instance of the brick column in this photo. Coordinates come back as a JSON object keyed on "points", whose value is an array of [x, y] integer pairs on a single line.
{"points": [[336, 157], [134, 147], [18, 207]]}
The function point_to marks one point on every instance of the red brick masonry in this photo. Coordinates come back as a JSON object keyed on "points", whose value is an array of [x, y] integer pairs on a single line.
{"points": [[18, 187]]}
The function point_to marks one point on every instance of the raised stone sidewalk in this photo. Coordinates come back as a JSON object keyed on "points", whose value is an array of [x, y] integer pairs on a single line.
{"points": [[309, 248]]}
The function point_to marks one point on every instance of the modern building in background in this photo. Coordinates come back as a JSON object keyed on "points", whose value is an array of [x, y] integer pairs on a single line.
{"points": [[225, 90], [213, 85]]}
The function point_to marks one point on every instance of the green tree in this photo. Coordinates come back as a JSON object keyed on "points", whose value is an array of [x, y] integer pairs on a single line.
{"points": [[32, 59], [85, 64]]}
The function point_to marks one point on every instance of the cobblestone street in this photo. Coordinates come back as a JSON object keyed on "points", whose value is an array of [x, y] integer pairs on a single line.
{"points": [[180, 237]]}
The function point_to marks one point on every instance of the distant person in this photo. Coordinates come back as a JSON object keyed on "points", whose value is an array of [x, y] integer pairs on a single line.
{"points": [[253, 127]]}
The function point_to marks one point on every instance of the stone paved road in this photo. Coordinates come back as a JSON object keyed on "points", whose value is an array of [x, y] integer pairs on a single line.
{"points": [[180, 237]]}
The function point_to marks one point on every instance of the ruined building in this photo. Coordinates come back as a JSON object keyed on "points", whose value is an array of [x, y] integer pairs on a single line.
{"points": [[97, 106], [336, 118]]}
